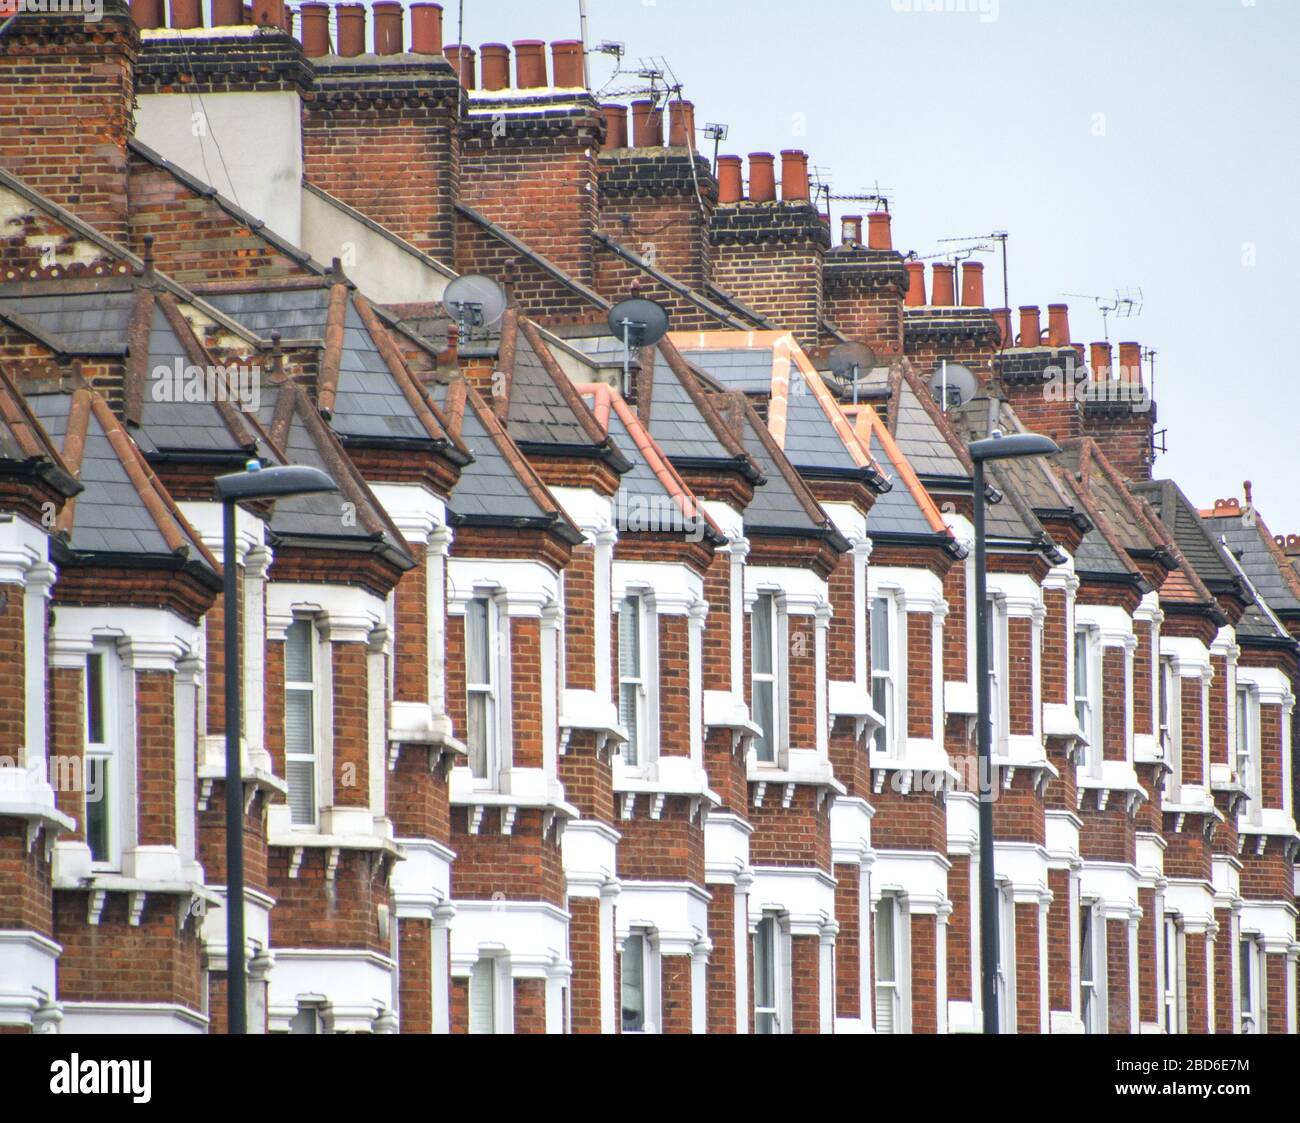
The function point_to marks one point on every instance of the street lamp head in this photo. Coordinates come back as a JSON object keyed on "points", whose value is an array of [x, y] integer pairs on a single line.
{"points": [[998, 447], [272, 483]]}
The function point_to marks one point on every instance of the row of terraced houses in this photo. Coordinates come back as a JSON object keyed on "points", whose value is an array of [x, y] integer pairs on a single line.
{"points": [[595, 701]]}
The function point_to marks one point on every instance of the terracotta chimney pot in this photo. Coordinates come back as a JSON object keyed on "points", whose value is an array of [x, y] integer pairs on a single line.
{"points": [[762, 178], [915, 284], [943, 293], [1031, 332], [530, 64], [972, 284], [426, 29], [730, 189]]}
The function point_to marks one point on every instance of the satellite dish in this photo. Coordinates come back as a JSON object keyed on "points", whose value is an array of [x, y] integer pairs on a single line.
{"points": [[475, 302], [638, 322], [952, 385], [850, 362]]}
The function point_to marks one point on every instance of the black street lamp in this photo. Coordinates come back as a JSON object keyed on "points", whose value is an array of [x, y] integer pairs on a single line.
{"points": [[254, 483], [996, 447]]}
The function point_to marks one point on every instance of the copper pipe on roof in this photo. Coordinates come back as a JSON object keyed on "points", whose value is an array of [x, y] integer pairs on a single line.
{"points": [[530, 64], [426, 29], [494, 61], [762, 177], [566, 64], [315, 29], [388, 27], [351, 29], [615, 125]]}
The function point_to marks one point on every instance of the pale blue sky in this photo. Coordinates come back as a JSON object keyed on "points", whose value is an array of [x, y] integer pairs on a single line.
{"points": [[977, 124]]}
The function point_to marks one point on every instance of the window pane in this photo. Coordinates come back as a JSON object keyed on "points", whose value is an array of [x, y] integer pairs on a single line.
{"points": [[765, 718], [95, 698], [765, 1020], [477, 642], [478, 731], [1085, 954], [880, 653], [297, 652], [761, 654], [632, 973], [299, 723], [629, 638], [301, 776], [880, 702], [885, 957], [629, 717], [482, 997], [97, 781], [1081, 664]]}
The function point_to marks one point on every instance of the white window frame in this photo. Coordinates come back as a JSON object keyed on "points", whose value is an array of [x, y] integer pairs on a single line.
{"points": [[1250, 967], [1169, 699], [115, 752], [889, 739], [1006, 968], [777, 737], [319, 700], [636, 752], [999, 695], [644, 940], [1092, 967], [494, 970], [490, 691], [1088, 693], [890, 909], [774, 1016], [1247, 757], [1172, 985], [309, 1019]]}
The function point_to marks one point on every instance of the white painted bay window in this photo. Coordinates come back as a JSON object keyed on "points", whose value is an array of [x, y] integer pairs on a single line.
{"points": [[1006, 973], [302, 702], [891, 964], [1250, 965], [639, 984], [1087, 692], [1170, 740], [1174, 1004], [1248, 746], [1091, 968], [884, 646], [108, 755], [999, 700], [767, 976], [766, 655], [482, 688], [484, 1000], [632, 677]]}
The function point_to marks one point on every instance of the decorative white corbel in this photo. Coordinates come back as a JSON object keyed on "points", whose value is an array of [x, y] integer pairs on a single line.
{"points": [[95, 906], [135, 903]]}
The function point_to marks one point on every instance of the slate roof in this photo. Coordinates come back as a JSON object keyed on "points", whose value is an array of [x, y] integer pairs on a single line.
{"points": [[1196, 543], [498, 486], [1248, 540], [122, 509], [913, 425], [25, 446]]}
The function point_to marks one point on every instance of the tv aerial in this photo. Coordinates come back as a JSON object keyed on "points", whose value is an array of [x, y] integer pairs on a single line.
{"points": [[476, 303], [952, 385], [638, 323], [848, 362], [1123, 305]]}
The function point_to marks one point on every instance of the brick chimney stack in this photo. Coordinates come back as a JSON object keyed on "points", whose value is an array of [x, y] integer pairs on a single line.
{"points": [[1118, 412], [655, 200], [58, 75], [769, 253], [1039, 373]]}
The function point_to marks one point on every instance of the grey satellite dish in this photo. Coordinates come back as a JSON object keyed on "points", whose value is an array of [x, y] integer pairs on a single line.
{"points": [[638, 322], [952, 385], [851, 362], [475, 302]]}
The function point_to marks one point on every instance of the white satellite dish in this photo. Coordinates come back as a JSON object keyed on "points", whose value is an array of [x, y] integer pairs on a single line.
{"points": [[475, 302], [850, 363], [952, 385]]}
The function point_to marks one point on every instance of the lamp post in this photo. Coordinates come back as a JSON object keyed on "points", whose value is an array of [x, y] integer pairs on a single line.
{"points": [[995, 447], [254, 483]]}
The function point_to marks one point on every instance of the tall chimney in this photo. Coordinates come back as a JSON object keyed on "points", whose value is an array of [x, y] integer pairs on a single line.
{"points": [[270, 13], [228, 13], [530, 64], [681, 125], [388, 27], [851, 230], [972, 284], [426, 29], [1100, 361], [730, 189], [915, 284], [351, 29], [879, 236], [647, 124], [1130, 362], [461, 58], [762, 178], [615, 125], [1002, 317], [794, 175], [186, 13], [566, 64], [495, 66], [1058, 325], [1031, 332], [943, 294]]}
